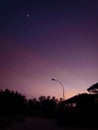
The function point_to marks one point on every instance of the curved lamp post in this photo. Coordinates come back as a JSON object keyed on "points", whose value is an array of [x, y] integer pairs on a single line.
{"points": [[61, 86]]}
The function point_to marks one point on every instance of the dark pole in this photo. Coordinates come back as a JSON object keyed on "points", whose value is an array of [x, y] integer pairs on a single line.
{"points": [[61, 86]]}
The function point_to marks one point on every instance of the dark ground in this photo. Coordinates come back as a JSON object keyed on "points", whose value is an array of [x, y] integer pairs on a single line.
{"points": [[35, 123]]}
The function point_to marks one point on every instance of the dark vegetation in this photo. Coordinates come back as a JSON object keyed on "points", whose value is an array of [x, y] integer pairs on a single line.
{"points": [[78, 111], [12, 103]]}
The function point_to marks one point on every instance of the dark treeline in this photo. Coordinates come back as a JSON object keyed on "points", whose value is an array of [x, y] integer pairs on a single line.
{"points": [[14, 103], [79, 110], [45, 106]]}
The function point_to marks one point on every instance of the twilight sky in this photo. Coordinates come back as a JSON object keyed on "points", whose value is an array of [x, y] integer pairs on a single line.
{"points": [[45, 39]]}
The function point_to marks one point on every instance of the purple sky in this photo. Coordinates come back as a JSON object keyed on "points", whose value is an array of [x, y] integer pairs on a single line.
{"points": [[59, 39]]}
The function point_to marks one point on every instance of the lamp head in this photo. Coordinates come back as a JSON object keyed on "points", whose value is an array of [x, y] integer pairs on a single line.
{"points": [[53, 79]]}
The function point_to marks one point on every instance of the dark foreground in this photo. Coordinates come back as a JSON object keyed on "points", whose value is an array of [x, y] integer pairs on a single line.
{"points": [[35, 123]]}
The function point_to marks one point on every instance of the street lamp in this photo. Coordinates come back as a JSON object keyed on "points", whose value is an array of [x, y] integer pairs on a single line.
{"points": [[61, 86]]}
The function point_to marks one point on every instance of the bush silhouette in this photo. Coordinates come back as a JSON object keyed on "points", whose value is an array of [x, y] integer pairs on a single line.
{"points": [[12, 103]]}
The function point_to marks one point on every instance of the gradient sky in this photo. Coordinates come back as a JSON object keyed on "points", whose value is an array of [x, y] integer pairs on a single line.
{"points": [[59, 39]]}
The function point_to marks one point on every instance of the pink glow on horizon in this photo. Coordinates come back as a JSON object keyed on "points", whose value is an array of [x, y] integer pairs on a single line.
{"points": [[66, 51]]}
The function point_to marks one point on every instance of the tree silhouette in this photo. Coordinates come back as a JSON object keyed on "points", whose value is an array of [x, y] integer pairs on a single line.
{"points": [[47, 106], [34, 107], [12, 103]]}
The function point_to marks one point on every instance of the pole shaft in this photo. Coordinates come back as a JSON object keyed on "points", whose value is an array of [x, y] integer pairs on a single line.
{"points": [[62, 88]]}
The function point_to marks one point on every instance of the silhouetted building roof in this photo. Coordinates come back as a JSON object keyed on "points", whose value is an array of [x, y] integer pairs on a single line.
{"points": [[93, 88], [82, 99]]}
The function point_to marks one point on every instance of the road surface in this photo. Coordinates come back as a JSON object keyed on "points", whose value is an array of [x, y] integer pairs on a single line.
{"points": [[34, 123]]}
